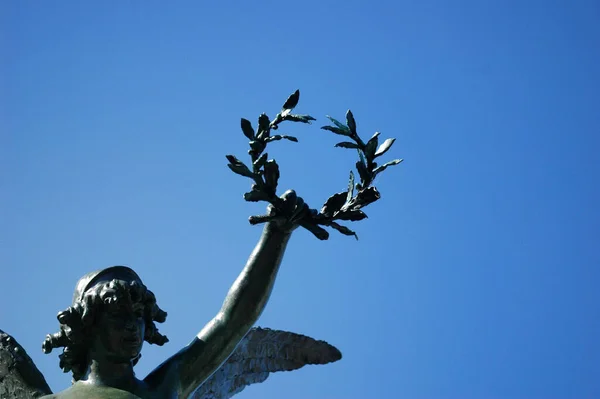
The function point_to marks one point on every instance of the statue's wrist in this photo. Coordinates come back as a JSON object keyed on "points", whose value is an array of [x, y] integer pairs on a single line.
{"points": [[279, 229]]}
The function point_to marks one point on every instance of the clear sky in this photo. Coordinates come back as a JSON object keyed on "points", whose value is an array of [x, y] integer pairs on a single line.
{"points": [[476, 274]]}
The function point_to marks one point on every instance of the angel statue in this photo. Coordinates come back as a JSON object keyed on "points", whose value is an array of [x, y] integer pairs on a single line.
{"points": [[113, 313]]}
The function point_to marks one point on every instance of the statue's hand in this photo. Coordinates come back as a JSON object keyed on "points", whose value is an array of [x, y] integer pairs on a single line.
{"points": [[289, 213]]}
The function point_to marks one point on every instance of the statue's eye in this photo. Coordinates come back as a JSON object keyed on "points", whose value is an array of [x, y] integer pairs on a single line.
{"points": [[117, 311], [139, 312]]}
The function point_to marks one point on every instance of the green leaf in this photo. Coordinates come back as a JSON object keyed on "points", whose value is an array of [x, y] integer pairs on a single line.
{"points": [[338, 124], [299, 118], [271, 173], [334, 203], [343, 229], [232, 159], [241, 169], [247, 129], [263, 126], [363, 172], [371, 146], [261, 161], [383, 167], [366, 197], [292, 101], [257, 146], [384, 147], [346, 144], [361, 157], [351, 122], [336, 130], [279, 137], [350, 187], [352, 216], [318, 231]]}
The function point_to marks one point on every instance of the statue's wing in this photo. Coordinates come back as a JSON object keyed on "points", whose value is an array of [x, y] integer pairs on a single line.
{"points": [[19, 377], [263, 351]]}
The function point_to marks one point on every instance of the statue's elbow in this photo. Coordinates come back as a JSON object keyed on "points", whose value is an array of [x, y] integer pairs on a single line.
{"points": [[236, 324]]}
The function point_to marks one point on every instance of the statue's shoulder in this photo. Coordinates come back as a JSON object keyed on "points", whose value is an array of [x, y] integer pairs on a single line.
{"points": [[86, 391]]}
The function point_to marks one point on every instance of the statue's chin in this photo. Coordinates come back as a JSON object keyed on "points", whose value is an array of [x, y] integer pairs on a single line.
{"points": [[132, 346]]}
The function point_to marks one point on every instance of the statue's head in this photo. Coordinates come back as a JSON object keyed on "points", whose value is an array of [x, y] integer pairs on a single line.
{"points": [[112, 314]]}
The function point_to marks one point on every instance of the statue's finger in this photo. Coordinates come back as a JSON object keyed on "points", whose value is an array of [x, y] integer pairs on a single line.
{"points": [[289, 202], [299, 203], [266, 218], [289, 195], [301, 212]]}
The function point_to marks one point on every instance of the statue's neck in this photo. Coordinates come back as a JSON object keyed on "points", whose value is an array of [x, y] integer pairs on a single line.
{"points": [[116, 375]]}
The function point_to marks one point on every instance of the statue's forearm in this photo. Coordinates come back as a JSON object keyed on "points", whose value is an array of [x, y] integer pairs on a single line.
{"points": [[250, 292], [242, 307]]}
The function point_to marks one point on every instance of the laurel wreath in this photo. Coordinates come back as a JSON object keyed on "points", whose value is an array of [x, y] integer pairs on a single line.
{"points": [[346, 205]]}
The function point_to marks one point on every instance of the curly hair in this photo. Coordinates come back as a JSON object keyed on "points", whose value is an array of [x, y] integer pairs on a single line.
{"points": [[77, 321]]}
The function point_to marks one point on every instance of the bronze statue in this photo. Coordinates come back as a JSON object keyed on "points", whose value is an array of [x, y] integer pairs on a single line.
{"points": [[113, 313]]}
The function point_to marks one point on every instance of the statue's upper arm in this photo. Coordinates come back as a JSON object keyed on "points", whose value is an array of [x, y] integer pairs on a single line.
{"points": [[191, 366]]}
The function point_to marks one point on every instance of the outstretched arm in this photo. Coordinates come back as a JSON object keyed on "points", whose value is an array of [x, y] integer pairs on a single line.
{"points": [[242, 307]]}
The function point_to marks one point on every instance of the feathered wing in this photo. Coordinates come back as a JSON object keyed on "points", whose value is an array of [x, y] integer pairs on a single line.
{"points": [[263, 351], [19, 377]]}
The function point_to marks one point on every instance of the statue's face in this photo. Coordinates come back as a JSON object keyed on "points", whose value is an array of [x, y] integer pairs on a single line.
{"points": [[120, 331]]}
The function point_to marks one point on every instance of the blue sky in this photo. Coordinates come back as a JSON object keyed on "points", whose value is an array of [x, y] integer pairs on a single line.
{"points": [[476, 274]]}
